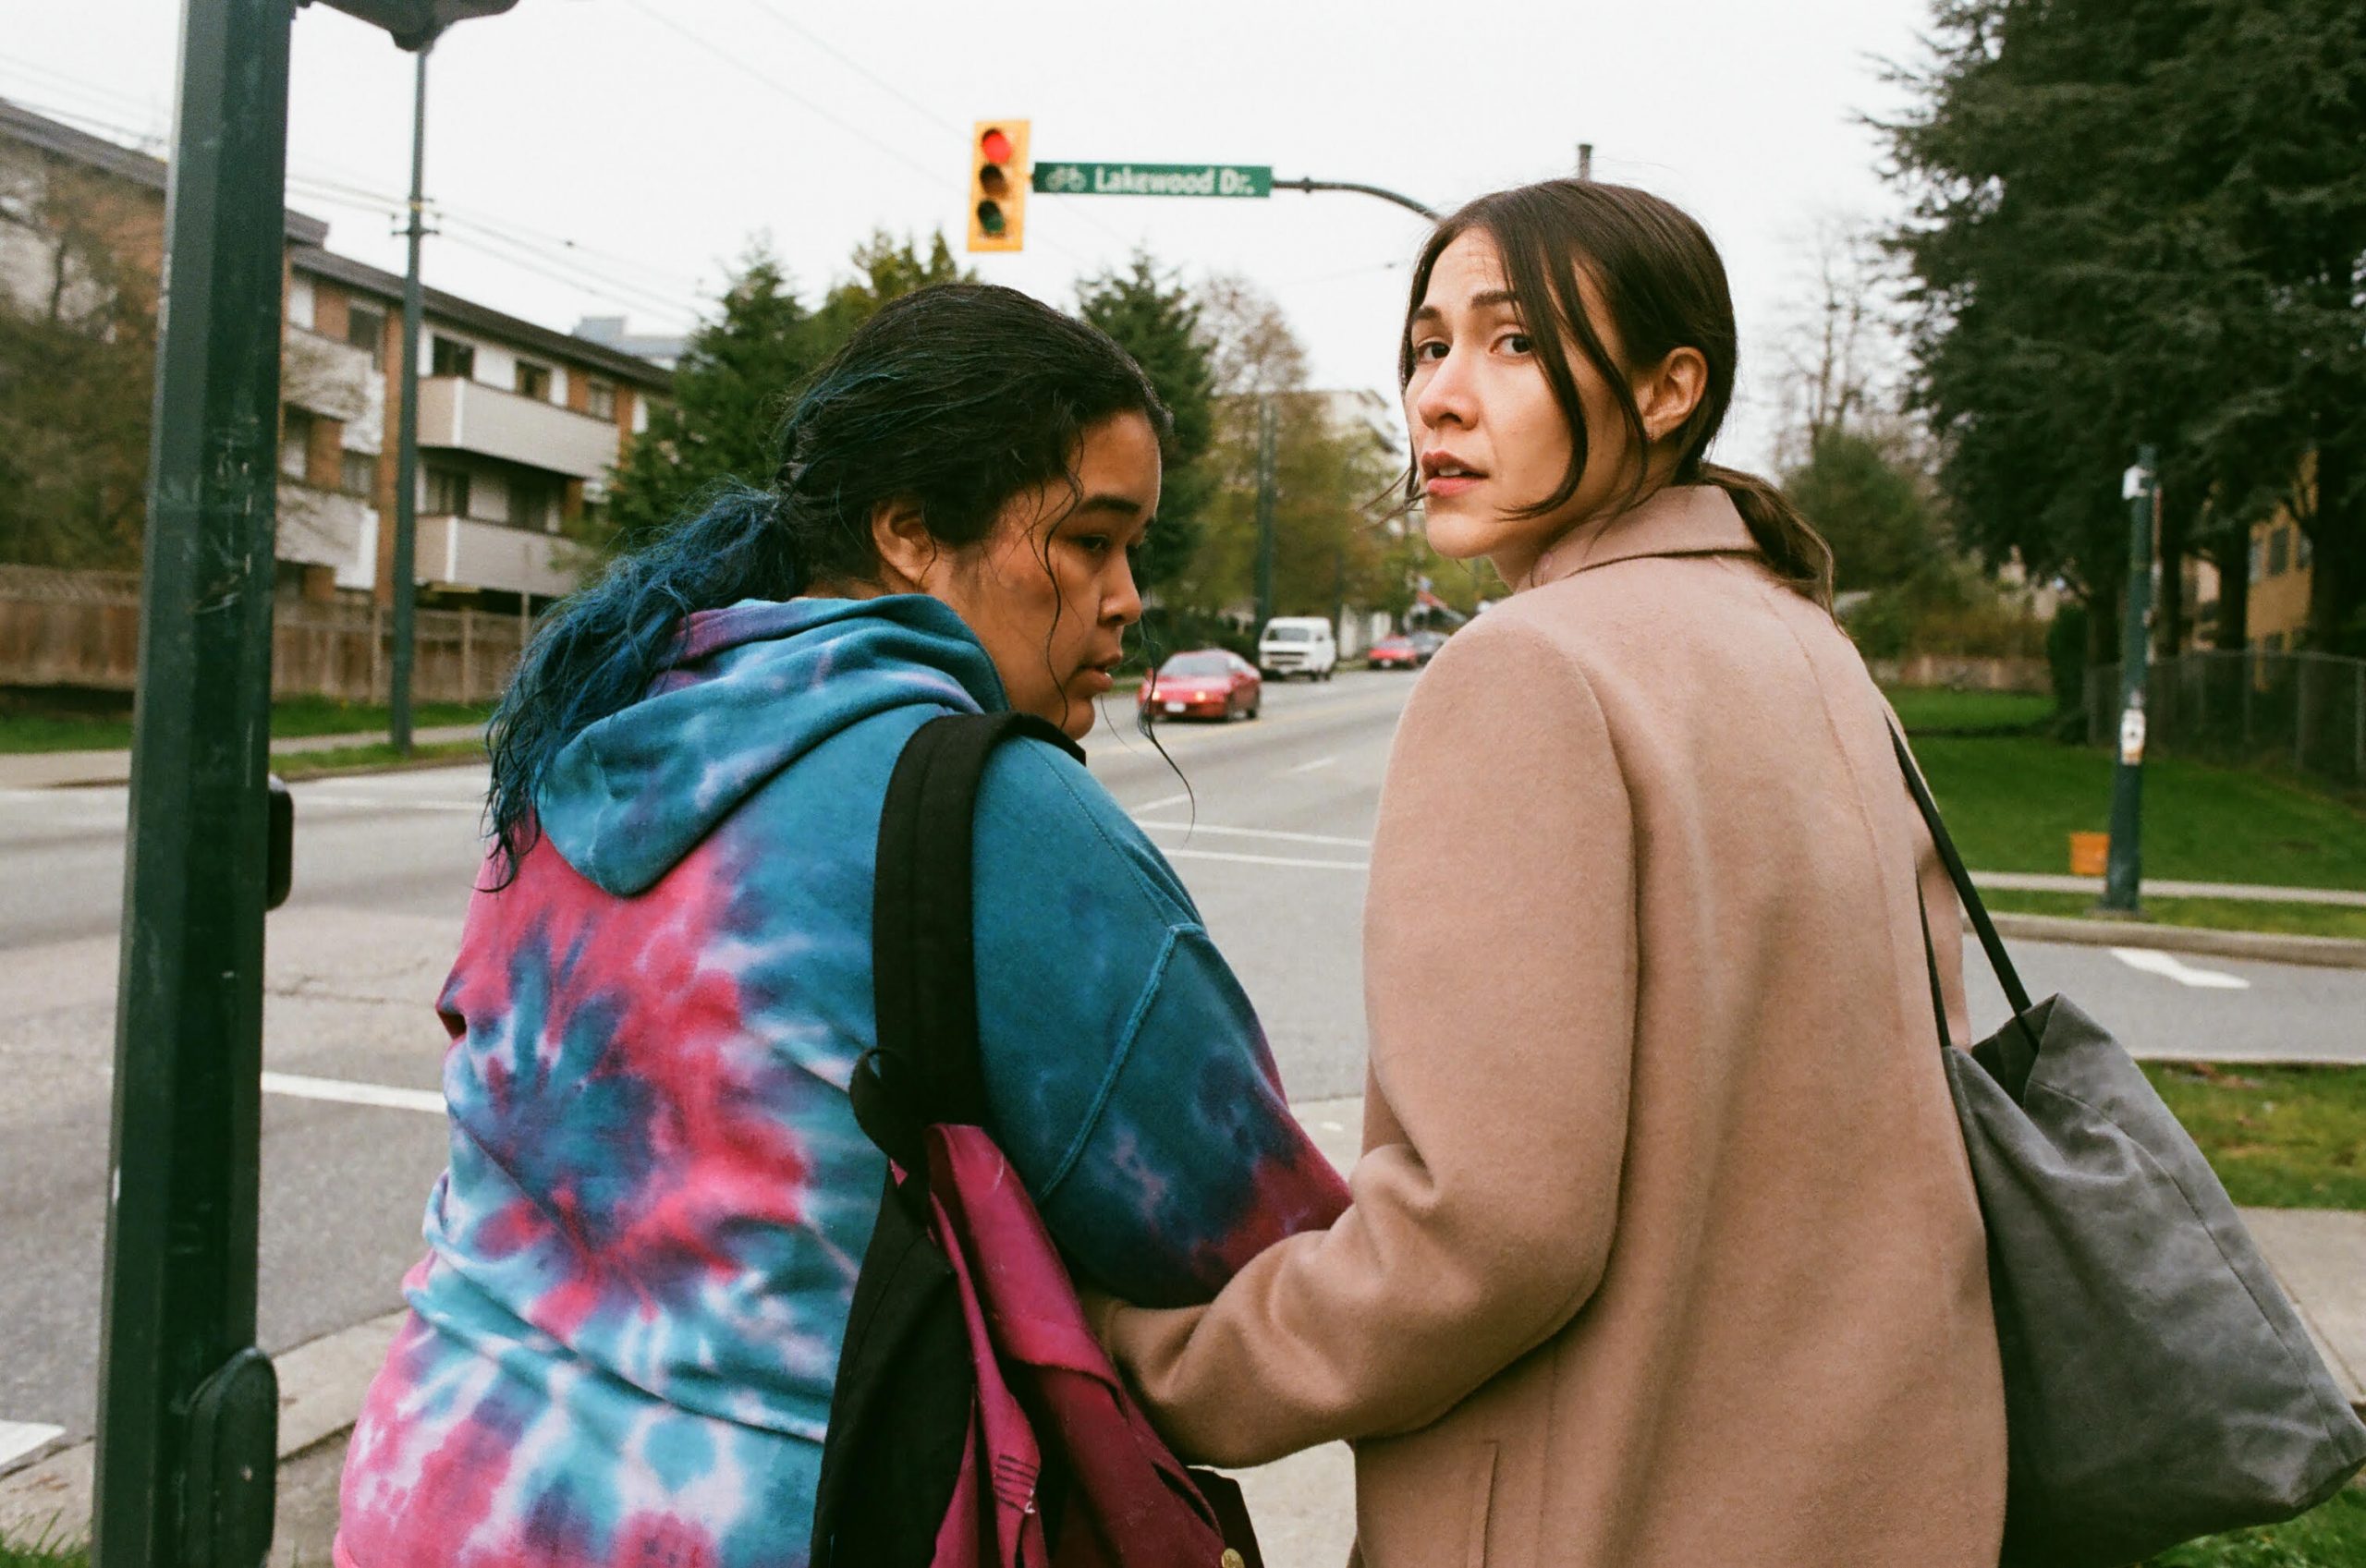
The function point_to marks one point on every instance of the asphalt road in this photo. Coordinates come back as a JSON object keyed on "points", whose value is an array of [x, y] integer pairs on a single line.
{"points": [[1267, 821]]}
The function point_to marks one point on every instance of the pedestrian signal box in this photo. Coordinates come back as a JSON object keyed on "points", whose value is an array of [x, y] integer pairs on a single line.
{"points": [[998, 185]]}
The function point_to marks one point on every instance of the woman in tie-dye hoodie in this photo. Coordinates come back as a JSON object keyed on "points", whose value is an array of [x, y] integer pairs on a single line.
{"points": [[622, 1339]]}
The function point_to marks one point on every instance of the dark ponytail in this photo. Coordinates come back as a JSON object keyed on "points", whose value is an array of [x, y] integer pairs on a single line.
{"points": [[1663, 285], [1793, 549], [957, 397]]}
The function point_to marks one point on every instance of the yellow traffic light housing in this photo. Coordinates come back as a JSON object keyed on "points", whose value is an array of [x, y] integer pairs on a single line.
{"points": [[998, 185]]}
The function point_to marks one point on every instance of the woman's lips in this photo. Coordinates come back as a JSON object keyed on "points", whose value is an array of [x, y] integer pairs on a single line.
{"points": [[1444, 485], [1096, 679]]}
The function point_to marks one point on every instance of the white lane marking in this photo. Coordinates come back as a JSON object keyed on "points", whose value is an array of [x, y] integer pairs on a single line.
{"points": [[389, 803], [1310, 767], [381, 1095], [1274, 833], [19, 1438], [1267, 860], [1161, 804], [2167, 966]]}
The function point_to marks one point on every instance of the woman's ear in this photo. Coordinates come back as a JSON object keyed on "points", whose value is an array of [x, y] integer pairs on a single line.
{"points": [[907, 550], [1672, 391]]}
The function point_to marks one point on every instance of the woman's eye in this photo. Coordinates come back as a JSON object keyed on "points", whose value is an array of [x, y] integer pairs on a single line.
{"points": [[1517, 342], [1423, 351], [1095, 542]]}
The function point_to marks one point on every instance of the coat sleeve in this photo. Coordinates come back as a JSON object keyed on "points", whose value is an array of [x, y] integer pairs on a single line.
{"points": [[1500, 965], [1129, 1081]]}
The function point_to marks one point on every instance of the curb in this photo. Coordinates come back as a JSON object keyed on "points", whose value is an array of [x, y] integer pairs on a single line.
{"points": [[321, 1386], [2264, 947]]}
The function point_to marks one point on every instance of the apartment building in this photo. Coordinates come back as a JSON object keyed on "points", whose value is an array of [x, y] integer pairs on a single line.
{"points": [[518, 429], [519, 425], [2279, 593]]}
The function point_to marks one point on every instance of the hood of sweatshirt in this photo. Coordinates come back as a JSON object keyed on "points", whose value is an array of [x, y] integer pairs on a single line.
{"points": [[747, 691]]}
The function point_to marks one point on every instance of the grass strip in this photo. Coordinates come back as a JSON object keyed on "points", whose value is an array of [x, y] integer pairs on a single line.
{"points": [[294, 765], [1925, 709], [2205, 914], [2279, 1138], [25, 730]]}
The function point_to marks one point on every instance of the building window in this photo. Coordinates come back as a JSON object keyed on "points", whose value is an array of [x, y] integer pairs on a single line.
{"points": [[2279, 552], [366, 328], [453, 357], [600, 398], [358, 473], [447, 493], [295, 443], [533, 502], [2302, 550], [533, 381]]}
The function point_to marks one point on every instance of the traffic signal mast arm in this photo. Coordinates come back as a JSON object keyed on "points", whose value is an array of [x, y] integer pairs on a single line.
{"points": [[1311, 186]]}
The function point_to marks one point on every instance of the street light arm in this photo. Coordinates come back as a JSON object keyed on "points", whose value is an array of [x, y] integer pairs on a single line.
{"points": [[1385, 194]]}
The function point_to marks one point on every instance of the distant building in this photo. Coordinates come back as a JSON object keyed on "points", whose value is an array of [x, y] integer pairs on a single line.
{"points": [[609, 332], [519, 426], [2281, 559]]}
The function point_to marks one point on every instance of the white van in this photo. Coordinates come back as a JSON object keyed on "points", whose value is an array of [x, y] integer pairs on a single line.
{"points": [[1297, 645]]}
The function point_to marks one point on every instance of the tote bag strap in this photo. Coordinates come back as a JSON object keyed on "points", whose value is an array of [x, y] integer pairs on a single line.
{"points": [[923, 1070], [1993, 944]]}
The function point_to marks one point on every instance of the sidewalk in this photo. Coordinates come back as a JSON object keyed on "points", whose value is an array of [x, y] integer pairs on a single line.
{"points": [[54, 770], [1304, 1505]]}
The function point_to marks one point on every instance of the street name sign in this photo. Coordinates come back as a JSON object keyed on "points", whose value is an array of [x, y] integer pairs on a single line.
{"points": [[1155, 179]]}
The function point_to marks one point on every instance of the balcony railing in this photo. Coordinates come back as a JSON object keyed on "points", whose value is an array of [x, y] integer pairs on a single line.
{"points": [[466, 553], [460, 415]]}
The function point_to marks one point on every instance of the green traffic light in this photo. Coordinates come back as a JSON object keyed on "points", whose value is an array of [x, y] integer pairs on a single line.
{"points": [[990, 217]]}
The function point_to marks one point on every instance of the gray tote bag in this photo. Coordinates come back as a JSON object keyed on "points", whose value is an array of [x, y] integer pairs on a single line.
{"points": [[2158, 1385]]}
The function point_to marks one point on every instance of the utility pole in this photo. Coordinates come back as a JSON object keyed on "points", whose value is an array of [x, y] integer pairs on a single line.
{"points": [[1585, 159], [2123, 872], [406, 443], [188, 1409], [1268, 445]]}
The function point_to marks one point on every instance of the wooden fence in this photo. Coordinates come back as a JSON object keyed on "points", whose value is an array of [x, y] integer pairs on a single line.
{"points": [[83, 629]]}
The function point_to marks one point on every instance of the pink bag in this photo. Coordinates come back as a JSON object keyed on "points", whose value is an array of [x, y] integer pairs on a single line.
{"points": [[1033, 1351]]}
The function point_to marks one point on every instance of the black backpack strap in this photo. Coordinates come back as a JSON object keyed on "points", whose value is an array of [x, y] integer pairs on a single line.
{"points": [[924, 1069]]}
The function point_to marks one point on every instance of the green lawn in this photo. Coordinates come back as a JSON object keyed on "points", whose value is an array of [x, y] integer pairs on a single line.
{"points": [[1923, 710], [64, 731], [2333, 1536], [2279, 1138], [2013, 802]]}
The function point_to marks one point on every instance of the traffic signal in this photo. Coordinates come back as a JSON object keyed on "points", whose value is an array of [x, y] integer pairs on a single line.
{"points": [[998, 185]]}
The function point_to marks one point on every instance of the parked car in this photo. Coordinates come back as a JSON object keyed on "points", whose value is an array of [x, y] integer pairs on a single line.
{"points": [[1426, 643], [1395, 653], [1297, 645], [1208, 683]]}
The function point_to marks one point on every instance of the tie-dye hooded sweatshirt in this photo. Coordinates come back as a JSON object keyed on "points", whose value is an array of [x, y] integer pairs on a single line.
{"points": [[622, 1339]]}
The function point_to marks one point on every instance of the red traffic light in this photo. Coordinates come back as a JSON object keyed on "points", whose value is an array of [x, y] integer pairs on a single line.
{"points": [[995, 146]]}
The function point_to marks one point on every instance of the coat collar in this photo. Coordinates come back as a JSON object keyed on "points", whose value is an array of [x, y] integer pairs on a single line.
{"points": [[1689, 520]]}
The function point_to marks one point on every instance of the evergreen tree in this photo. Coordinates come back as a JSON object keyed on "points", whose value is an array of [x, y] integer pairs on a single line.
{"points": [[1157, 320], [730, 392], [1869, 505]]}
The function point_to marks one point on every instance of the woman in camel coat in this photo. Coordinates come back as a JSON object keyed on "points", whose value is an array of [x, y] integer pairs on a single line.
{"points": [[1663, 1250]]}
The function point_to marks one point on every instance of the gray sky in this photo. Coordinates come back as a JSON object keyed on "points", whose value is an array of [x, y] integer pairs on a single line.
{"points": [[658, 136]]}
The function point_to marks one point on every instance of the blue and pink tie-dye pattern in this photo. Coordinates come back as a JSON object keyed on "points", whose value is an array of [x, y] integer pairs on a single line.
{"points": [[623, 1337]]}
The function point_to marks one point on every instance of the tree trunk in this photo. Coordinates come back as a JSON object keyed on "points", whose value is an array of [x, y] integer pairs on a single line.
{"points": [[2338, 545]]}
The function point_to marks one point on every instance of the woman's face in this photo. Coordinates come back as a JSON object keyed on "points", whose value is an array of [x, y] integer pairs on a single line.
{"points": [[1488, 438], [1051, 591]]}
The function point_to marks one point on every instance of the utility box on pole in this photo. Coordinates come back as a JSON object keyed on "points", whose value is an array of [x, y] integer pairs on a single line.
{"points": [[2123, 871]]}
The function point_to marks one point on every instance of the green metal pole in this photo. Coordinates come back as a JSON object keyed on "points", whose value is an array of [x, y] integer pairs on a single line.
{"points": [[1268, 456], [407, 442], [2123, 872], [188, 1410]]}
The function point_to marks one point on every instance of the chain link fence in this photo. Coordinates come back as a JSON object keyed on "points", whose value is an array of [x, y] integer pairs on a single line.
{"points": [[2306, 711]]}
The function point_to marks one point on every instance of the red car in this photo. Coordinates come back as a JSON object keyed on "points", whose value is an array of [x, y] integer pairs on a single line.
{"points": [[1393, 653], [1208, 683]]}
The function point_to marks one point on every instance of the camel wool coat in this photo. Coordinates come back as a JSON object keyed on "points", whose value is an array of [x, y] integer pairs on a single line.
{"points": [[1663, 1250]]}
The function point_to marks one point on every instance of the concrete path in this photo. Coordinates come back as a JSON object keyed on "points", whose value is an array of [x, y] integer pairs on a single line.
{"points": [[52, 770], [2028, 881]]}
